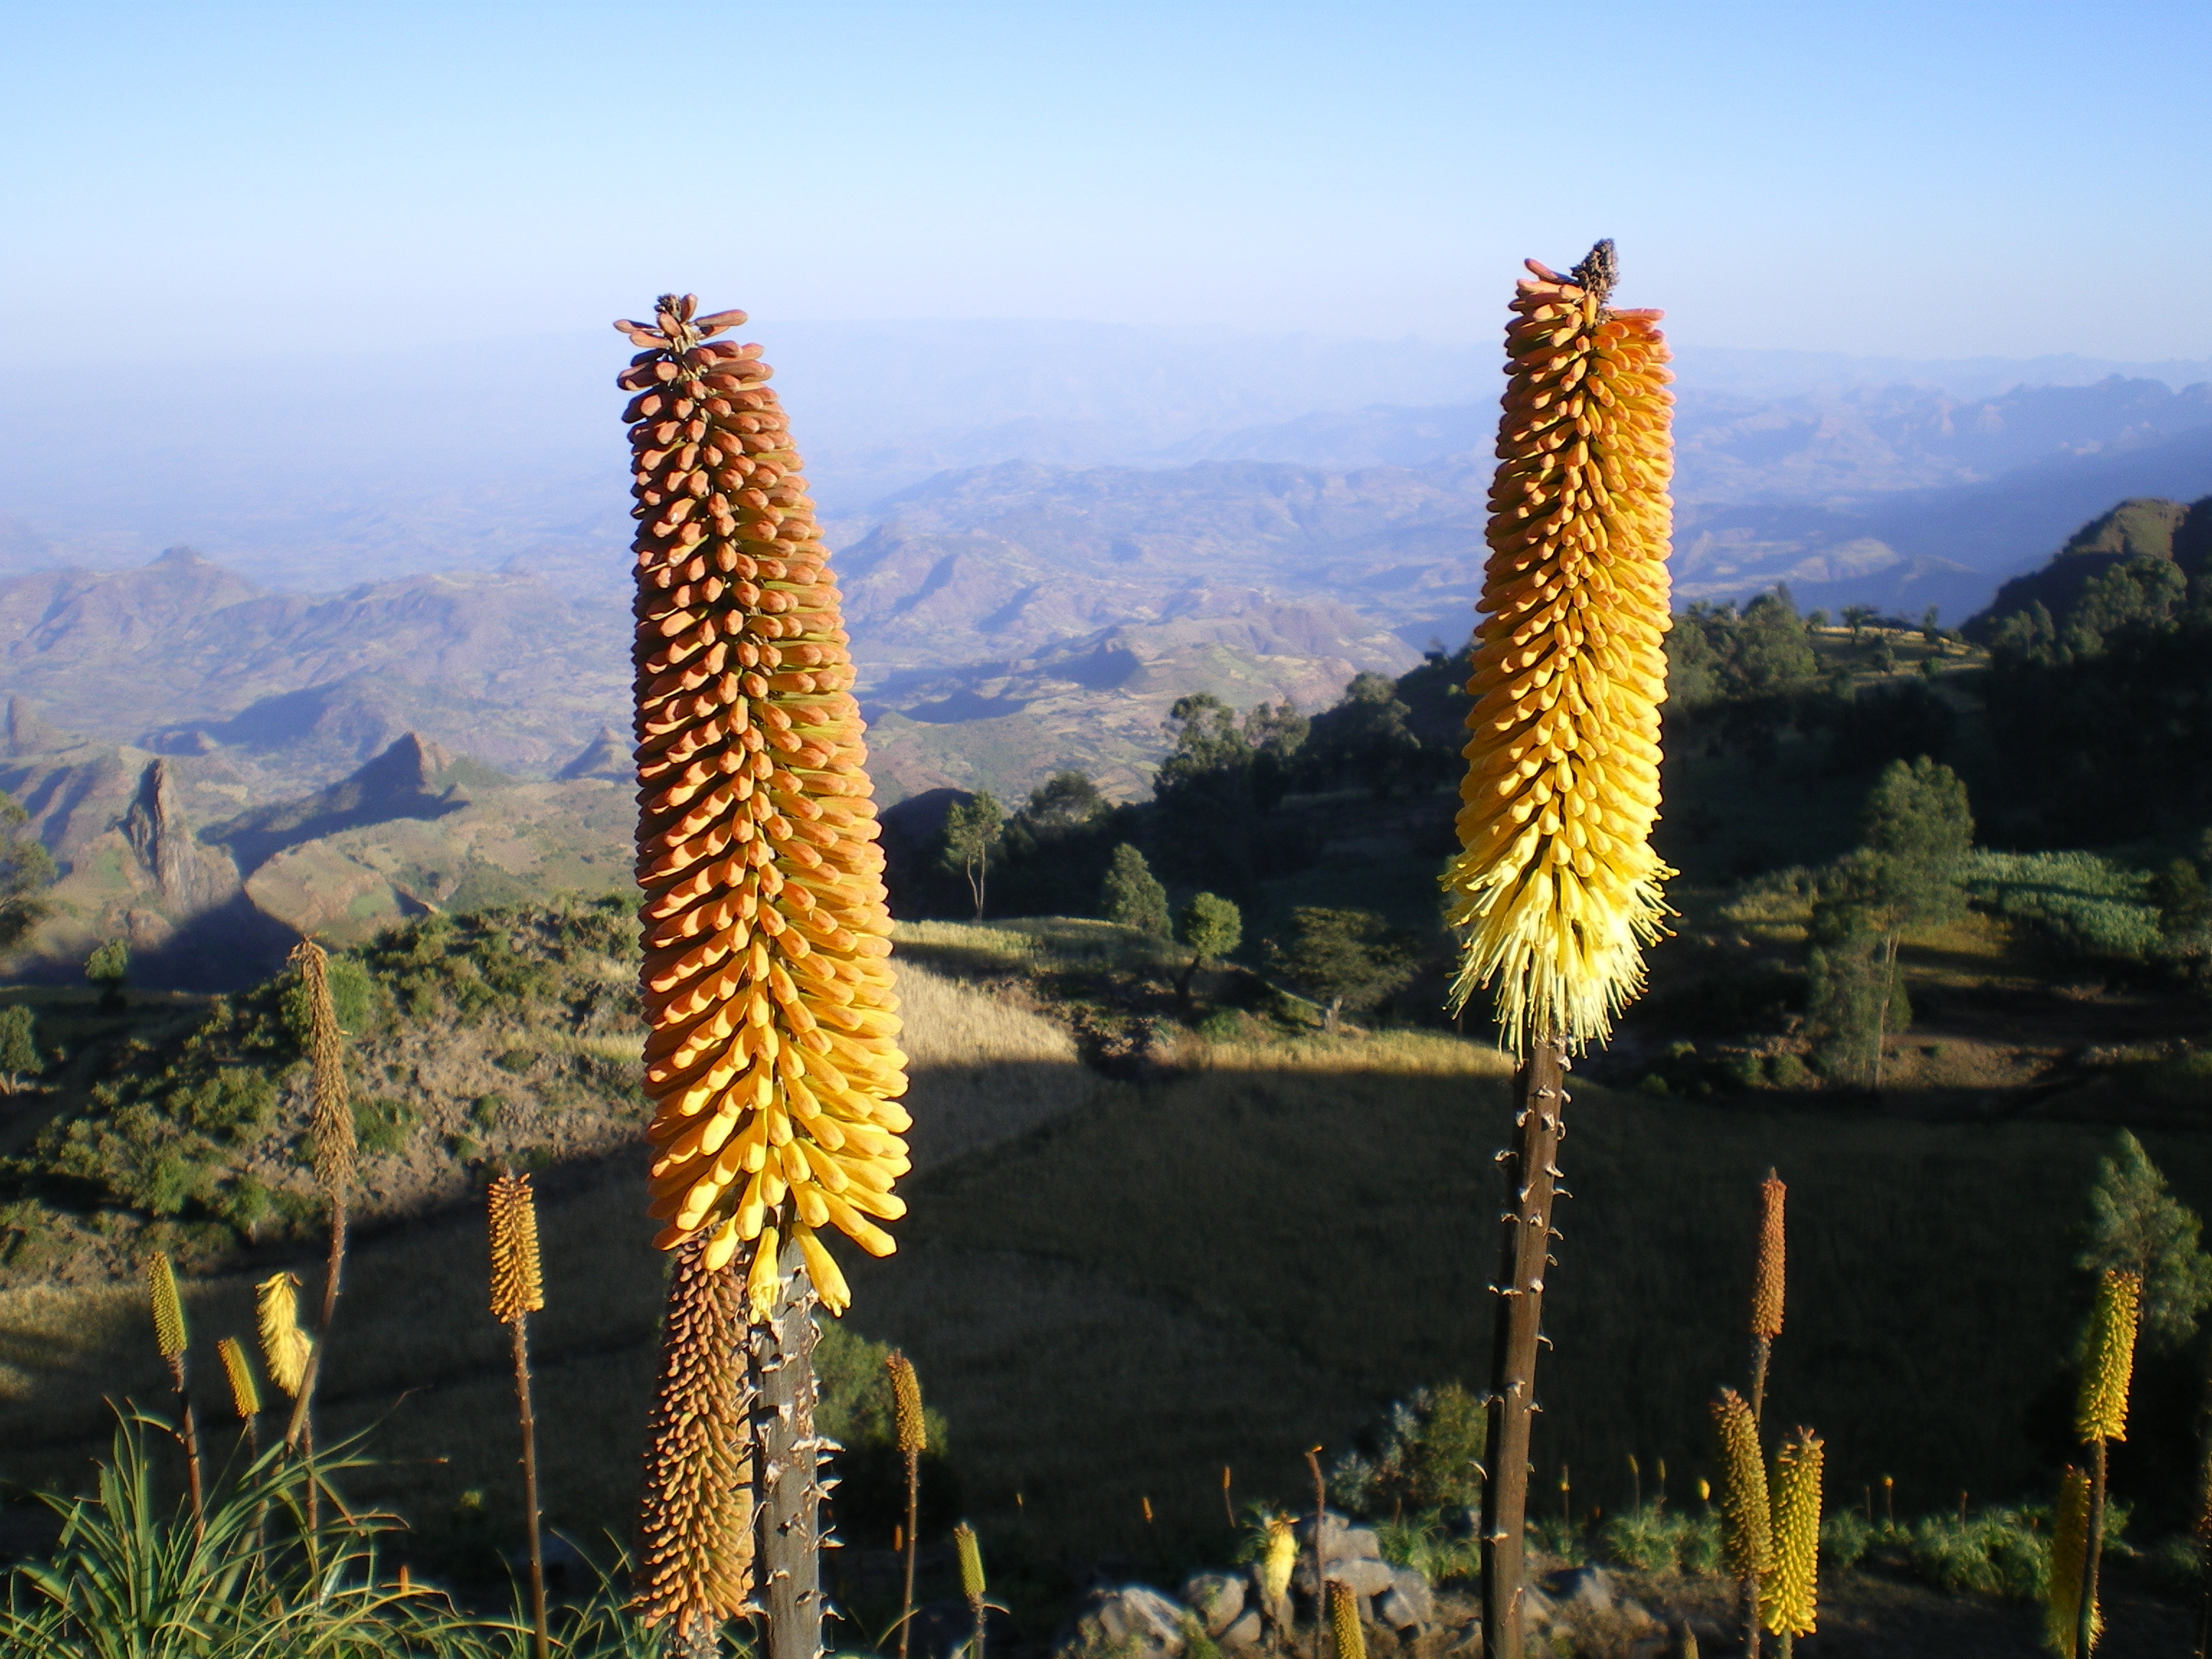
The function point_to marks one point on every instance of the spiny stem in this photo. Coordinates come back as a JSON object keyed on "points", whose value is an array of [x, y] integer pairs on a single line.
{"points": [[529, 1421]]}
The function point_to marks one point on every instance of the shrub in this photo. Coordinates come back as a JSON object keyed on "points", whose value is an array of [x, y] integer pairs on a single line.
{"points": [[1427, 1455], [1845, 1537], [383, 1126], [2085, 905], [1650, 1539], [1999, 1551]]}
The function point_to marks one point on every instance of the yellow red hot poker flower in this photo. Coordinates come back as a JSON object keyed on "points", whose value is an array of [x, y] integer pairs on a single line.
{"points": [[1557, 890], [772, 1059]]}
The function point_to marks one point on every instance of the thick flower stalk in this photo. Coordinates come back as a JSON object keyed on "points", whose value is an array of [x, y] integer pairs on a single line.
{"points": [[697, 1552], [1790, 1590], [1557, 890], [771, 1058]]}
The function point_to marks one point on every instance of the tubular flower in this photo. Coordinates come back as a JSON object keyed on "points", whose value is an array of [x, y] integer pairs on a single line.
{"points": [[1767, 1277], [906, 1404], [517, 1285], [2069, 1544], [1788, 1591], [284, 1346], [168, 1306], [772, 1060], [1747, 1531], [2101, 1412], [971, 1561], [244, 1392], [696, 1527], [1556, 889], [1279, 1559]]}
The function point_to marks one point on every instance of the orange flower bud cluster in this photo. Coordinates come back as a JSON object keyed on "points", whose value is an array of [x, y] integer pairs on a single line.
{"points": [[771, 1058], [1557, 890]]}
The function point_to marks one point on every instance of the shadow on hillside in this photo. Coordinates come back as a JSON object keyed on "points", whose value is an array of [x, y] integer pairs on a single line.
{"points": [[1114, 1291]]}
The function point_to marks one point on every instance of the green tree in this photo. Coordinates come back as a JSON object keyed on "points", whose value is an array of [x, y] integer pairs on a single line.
{"points": [[1915, 831], [108, 967], [972, 828], [1133, 896], [26, 872], [1276, 733], [1342, 959], [1213, 927], [1366, 736], [19, 1045], [2137, 1226]]}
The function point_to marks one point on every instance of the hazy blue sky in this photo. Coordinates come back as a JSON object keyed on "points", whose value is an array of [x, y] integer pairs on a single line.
{"points": [[1923, 180]]}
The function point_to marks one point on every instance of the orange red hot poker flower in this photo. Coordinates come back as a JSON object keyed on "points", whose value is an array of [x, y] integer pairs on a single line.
{"points": [[771, 1058]]}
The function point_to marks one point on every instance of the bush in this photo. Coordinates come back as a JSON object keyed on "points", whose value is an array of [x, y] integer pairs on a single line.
{"points": [[383, 1126], [1845, 1537], [2085, 905], [1650, 1539], [1999, 1551], [1426, 1456]]}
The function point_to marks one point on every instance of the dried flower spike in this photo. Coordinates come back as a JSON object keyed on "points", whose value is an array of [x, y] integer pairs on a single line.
{"points": [[517, 1285], [244, 1392], [1556, 890], [2101, 1412], [696, 1562], [906, 1404], [772, 1061], [330, 1122], [284, 1346], [1790, 1592], [168, 1306], [1768, 1276], [1747, 1530]]}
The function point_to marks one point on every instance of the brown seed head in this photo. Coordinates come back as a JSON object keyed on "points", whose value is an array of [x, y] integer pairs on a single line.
{"points": [[2101, 1411], [1790, 1592], [771, 1058], [906, 1404], [1768, 1277], [695, 1566], [516, 1286], [168, 1306], [244, 1392], [1746, 1529], [330, 1122]]}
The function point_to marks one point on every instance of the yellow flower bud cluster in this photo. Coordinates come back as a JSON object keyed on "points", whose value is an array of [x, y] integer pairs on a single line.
{"points": [[168, 1306], [1556, 890], [1345, 1638], [2101, 1411], [1746, 1524], [1788, 1592], [284, 1346], [695, 1528], [238, 1370], [2069, 1548], [772, 1060], [518, 1286], [906, 1404]]}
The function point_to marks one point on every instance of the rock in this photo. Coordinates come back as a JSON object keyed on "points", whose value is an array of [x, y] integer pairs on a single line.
{"points": [[1366, 1576], [1136, 1618], [1245, 1632], [1580, 1590], [1408, 1604], [1536, 1609], [1216, 1598], [1339, 1537]]}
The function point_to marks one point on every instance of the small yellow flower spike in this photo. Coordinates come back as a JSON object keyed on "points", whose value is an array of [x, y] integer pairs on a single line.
{"points": [[1556, 890], [284, 1346], [517, 1283], [906, 1404], [771, 1058], [168, 1306], [2101, 1412], [1345, 1637], [1280, 1560], [2070, 1545], [244, 1392], [1747, 1522], [1789, 1594], [1769, 1275]]}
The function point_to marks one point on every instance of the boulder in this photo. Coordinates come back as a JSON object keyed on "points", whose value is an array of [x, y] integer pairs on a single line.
{"points": [[1409, 1604], [1216, 1598], [1364, 1574], [1245, 1633], [1135, 1619], [1339, 1538], [1582, 1590]]}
